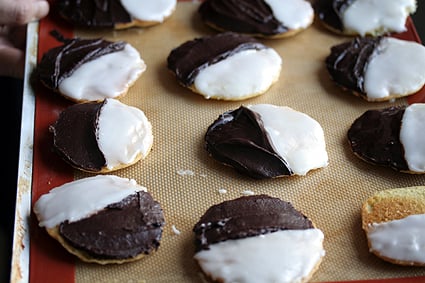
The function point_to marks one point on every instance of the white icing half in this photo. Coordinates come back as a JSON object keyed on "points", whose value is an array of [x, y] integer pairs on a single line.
{"points": [[412, 137], [294, 14], [108, 76], [370, 16], [296, 137], [401, 239], [396, 67], [283, 256], [123, 133], [241, 75], [81, 198], [149, 10]]}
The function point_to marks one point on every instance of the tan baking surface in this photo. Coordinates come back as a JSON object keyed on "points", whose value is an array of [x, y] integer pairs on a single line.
{"points": [[331, 197]]}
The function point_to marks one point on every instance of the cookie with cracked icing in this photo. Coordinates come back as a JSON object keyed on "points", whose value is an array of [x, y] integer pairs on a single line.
{"points": [[378, 69], [226, 66], [115, 14], [104, 219], [391, 137], [259, 18], [364, 17], [101, 137], [394, 223], [257, 239], [267, 141], [83, 70]]}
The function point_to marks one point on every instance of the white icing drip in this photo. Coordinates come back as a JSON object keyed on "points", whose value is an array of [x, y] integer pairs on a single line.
{"points": [[401, 239], [283, 256], [396, 67], [412, 137], [123, 133], [78, 199], [243, 74], [294, 14], [296, 137], [149, 10], [108, 76], [370, 16]]}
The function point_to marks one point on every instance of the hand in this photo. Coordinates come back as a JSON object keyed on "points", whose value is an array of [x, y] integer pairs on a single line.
{"points": [[14, 15]]}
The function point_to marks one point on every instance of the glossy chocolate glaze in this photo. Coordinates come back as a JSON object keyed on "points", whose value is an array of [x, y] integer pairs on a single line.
{"points": [[74, 136], [347, 62], [121, 231], [60, 62], [253, 17], [375, 137], [93, 13], [186, 60], [247, 216], [330, 12], [238, 138]]}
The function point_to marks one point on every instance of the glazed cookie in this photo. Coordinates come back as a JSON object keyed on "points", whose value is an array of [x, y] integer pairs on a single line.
{"points": [[394, 223], [101, 137], [260, 18], [391, 137], [257, 239], [116, 14], [102, 219], [364, 17], [226, 66], [378, 69], [267, 141], [84, 70]]}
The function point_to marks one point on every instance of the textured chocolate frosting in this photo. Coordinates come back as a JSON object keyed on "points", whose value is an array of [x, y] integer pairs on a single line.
{"points": [[247, 216], [253, 17], [238, 138], [122, 230], [375, 137], [330, 12], [78, 122], [347, 62], [186, 60]]}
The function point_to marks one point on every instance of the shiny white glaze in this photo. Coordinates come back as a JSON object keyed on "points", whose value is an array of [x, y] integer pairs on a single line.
{"points": [[81, 198], [396, 67], [108, 76], [294, 14], [283, 256], [296, 137], [412, 137], [149, 10], [241, 75], [123, 133], [401, 239]]}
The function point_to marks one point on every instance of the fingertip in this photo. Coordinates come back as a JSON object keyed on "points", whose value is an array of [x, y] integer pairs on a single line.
{"points": [[41, 9]]}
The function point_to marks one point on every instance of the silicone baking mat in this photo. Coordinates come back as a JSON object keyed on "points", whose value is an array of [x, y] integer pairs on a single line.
{"points": [[186, 181]]}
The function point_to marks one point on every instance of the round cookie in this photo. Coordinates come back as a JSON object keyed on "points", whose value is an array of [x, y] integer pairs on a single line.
{"points": [[394, 223], [378, 69], [101, 137], [85, 70], [267, 141], [116, 14], [364, 17], [260, 18], [102, 219], [225, 66], [391, 137], [257, 239]]}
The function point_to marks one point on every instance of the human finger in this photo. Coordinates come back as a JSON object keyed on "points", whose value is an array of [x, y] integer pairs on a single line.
{"points": [[12, 62], [20, 12]]}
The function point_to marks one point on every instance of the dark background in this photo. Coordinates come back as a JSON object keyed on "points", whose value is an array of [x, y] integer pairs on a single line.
{"points": [[11, 94]]}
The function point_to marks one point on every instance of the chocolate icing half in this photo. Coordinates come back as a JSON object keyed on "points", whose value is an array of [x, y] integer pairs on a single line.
{"points": [[375, 137], [347, 62], [253, 17], [331, 11], [247, 216], [74, 136], [238, 138], [120, 231], [186, 60]]}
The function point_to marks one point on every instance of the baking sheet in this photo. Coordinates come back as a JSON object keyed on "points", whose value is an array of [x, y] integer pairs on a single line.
{"points": [[186, 181]]}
